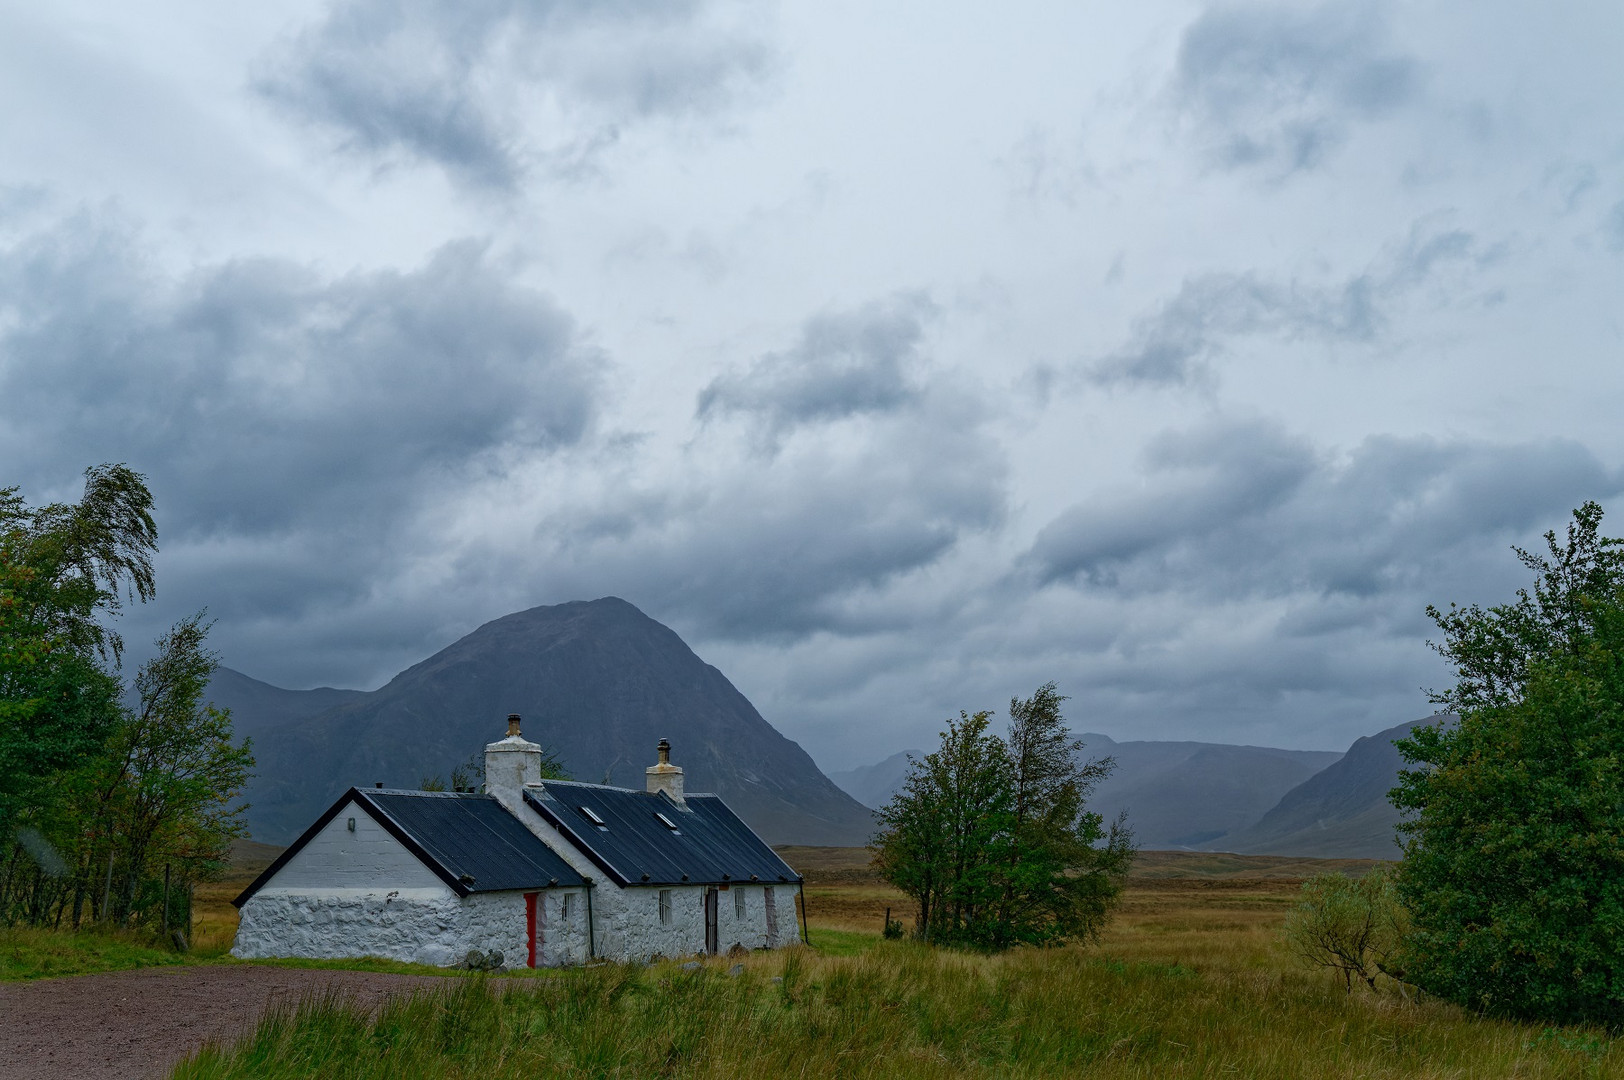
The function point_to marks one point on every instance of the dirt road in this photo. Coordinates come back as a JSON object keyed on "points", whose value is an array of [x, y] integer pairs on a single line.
{"points": [[132, 1024]]}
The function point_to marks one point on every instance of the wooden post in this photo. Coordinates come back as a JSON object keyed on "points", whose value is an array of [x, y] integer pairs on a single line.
{"points": [[107, 890], [166, 902], [887, 932]]}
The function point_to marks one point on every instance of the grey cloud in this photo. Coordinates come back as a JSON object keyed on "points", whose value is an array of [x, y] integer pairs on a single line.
{"points": [[782, 553], [1246, 510], [1276, 86], [844, 364], [455, 84], [293, 425], [1613, 228], [1176, 344], [742, 545]]}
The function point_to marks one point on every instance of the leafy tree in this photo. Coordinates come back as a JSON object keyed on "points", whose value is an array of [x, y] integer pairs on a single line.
{"points": [[1058, 882], [172, 777], [1354, 926], [94, 797], [1514, 861], [63, 567], [991, 838]]}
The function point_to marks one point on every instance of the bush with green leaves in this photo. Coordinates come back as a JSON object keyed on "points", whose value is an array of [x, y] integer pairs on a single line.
{"points": [[1514, 862], [1354, 926]]}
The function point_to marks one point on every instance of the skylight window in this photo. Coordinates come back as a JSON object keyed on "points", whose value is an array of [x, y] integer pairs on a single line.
{"points": [[587, 812], [668, 823]]}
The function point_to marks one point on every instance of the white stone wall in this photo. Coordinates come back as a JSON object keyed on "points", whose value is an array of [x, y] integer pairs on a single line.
{"points": [[563, 938], [419, 926], [752, 931], [361, 893]]}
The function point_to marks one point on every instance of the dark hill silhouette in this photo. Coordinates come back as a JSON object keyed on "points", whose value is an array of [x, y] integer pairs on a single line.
{"points": [[1339, 813], [258, 709], [598, 683]]}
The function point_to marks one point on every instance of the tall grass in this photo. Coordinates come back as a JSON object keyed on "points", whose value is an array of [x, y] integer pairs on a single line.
{"points": [[902, 1010]]}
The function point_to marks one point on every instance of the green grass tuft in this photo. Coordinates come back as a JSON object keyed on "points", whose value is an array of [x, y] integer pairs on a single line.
{"points": [[42, 954]]}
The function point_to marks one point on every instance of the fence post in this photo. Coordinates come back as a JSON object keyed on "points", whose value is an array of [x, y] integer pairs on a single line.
{"points": [[166, 902]]}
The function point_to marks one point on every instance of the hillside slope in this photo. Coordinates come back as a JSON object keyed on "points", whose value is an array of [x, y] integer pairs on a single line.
{"points": [[598, 683], [1341, 812]]}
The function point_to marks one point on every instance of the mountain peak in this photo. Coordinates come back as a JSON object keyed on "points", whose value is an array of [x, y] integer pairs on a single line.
{"points": [[598, 683]]}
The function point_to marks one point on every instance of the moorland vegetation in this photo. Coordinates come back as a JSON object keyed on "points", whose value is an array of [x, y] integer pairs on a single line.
{"points": [[111, 810]]}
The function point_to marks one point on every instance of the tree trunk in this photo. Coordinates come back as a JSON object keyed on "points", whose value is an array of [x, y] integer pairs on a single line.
{"points": [[107, 889]]}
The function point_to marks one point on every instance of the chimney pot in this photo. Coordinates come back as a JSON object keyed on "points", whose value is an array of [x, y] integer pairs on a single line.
{"points": [[511, 764], [665, 776], [379, 784]]}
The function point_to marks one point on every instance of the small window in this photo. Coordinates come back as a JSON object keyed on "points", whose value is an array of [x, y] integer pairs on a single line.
{"points": [[668, 823], [564, 907], [665, 907], [587, 813], [738, 903]]}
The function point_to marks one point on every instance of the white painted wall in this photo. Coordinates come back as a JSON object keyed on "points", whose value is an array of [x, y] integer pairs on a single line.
{"points": [[367, 858], [361, 893]]}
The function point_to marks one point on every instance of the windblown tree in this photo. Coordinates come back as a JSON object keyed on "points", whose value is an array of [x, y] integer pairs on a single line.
{"points": [[94, 796], [64, 568], [992, 838], [1513, 869]]}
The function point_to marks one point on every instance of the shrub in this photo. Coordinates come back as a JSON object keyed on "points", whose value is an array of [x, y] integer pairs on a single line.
{"points": [[1353, 926]]}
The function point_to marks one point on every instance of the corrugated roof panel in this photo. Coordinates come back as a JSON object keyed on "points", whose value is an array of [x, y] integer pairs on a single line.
{"points": [[622, 831]]}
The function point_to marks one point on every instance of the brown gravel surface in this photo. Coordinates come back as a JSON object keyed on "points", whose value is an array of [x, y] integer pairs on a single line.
{"points": [[131, 1024]]}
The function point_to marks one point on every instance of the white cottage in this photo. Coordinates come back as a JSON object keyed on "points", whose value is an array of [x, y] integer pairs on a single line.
{"points": [[545, 873]]}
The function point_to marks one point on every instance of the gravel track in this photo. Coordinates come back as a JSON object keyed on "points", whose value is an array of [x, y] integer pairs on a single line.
{"points": [[130, 1024]]}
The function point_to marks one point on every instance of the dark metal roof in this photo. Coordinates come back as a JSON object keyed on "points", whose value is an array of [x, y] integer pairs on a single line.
{"points": [[469, 841], [633, 846]]}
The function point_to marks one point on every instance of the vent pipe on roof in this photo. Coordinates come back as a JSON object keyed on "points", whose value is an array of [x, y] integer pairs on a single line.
{"points": [[510, 764], [665, 776]]}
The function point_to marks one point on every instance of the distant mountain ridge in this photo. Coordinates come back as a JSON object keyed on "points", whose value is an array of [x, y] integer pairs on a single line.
{"points": [[1341, 812], [1219, 797], [598, 682]]}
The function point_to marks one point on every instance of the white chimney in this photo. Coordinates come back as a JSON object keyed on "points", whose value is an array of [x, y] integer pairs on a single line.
{"points": [[510, 764], [665, 776]]}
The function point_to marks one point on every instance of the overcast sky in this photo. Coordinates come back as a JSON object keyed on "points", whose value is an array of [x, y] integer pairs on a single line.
{"points": [[900, 356]]}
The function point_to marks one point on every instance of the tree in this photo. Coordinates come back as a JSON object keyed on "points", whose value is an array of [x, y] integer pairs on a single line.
{"points": [[1354, 926], [94, 796], [1514, 860], [991, 838], [1058, 883], [172, 777], [63, 567]]}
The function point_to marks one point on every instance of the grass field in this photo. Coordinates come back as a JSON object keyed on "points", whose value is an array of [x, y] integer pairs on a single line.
{"points": [[1189, 980]]}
